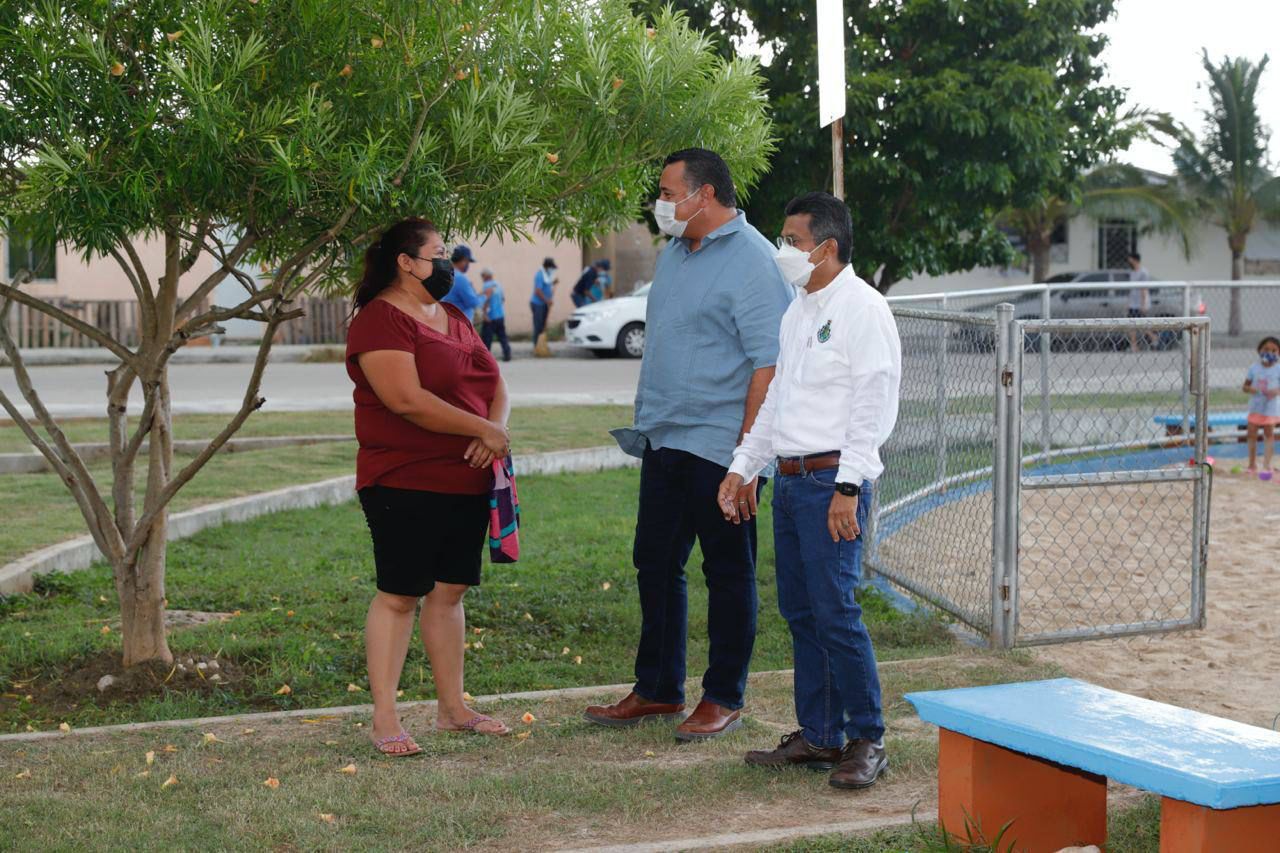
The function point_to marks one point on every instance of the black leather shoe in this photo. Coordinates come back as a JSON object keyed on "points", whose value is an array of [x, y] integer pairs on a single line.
{"points": [[795, 751], [862, 762]]}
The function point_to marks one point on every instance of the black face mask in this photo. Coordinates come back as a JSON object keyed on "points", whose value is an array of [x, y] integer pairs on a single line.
{"points": [[440, 282]]}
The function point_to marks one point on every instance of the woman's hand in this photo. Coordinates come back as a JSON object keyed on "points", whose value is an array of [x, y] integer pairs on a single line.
{"points": [[493, 443]]}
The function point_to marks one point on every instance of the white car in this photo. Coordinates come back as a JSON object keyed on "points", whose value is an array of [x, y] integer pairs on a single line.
{"points": [[612, 326]]}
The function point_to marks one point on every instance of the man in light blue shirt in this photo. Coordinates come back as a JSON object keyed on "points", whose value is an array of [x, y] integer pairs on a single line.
{"points": [[544, 282], [493, 320], [712, 322], [463, 296]]}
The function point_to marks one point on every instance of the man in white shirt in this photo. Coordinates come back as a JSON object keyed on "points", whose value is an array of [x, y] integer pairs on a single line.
{"points": [[832, 403]]}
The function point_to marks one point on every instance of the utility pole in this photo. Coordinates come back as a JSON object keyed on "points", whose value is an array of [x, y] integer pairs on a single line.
{"points": [[831, 84]]}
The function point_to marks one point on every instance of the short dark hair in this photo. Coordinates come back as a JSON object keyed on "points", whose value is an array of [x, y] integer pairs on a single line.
{"points": [[705, 167], [829, 219], [1136, 256], [1267, 340]]}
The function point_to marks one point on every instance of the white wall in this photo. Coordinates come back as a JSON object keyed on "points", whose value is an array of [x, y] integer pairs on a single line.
{"points": [[1163, 258]]}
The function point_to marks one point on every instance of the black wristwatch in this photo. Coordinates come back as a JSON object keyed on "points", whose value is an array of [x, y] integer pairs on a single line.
{"points": [[850, 490]]}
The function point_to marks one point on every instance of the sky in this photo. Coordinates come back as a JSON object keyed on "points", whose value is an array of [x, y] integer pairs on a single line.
{"points": [[1154, 53]]}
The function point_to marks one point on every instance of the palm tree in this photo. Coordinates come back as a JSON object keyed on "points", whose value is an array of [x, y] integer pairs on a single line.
{"points": [[1111, 190], [1227, 168]]}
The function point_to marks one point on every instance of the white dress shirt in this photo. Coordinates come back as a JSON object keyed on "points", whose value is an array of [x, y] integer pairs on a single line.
{"points": [[836, 385]]}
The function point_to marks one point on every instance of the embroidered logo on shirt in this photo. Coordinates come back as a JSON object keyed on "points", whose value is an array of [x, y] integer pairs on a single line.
{"points": [[824, 334]]}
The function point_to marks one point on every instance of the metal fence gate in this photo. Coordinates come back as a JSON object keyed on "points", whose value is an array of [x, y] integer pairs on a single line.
{"points": [[1046, 481]]}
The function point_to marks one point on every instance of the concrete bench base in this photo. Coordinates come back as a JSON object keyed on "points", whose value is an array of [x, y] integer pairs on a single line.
{"points": [[1047, 806], [1188, 828], [982, 787]]}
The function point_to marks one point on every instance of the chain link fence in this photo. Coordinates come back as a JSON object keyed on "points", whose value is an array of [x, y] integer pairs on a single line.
{"points": [[934, 501], [1040, 486]]}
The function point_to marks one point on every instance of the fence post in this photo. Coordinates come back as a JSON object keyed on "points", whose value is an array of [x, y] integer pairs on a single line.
{"points": [[1187, 355], [941, 398], [1045, 341], [1199, 375], [1002, 510]]}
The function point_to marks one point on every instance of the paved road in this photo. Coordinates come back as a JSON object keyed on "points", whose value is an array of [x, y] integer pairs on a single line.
{"points": [[80, 390]]}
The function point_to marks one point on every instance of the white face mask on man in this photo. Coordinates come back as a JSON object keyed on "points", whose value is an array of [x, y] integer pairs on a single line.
{"points": [[664, 214], [794, 264]]}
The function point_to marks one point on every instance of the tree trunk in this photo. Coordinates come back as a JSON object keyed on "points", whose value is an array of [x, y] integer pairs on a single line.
{"points": [[1235, 322], [141, 586], [142, 596], [1038, 247]]}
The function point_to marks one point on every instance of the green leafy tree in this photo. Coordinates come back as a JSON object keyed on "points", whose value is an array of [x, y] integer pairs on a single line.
{"points": [[956, 111], [1227, 167], [285, 134]]}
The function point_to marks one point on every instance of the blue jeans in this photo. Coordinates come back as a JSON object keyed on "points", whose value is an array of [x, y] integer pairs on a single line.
{"points": [[539, 318], [837, 688], [678, 504]]}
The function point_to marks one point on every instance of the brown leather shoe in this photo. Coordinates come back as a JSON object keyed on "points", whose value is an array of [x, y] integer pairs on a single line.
{"points": [[631, 711], [795, 751], [862, 762], [708, 720]]}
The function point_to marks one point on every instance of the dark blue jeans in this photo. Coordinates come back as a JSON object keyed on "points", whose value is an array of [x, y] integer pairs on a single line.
{"points": [[837, 688], [677, 506], [490, 329], [539, 310]]}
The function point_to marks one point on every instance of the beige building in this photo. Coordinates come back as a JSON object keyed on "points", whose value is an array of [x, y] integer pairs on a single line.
{"points": [[67, 276]]}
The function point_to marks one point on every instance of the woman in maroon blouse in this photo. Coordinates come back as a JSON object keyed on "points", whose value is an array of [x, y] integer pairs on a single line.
{"points": [[431, 416]]}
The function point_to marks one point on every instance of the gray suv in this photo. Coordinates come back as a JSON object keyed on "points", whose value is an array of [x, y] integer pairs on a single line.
{"points": [[1110, 300]]}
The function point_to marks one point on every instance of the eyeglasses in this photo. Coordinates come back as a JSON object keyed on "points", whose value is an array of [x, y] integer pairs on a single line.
{"points": [[783, 242]]}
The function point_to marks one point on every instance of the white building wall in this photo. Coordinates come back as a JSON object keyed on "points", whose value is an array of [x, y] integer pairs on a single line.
{"points": [[1162, 256]]}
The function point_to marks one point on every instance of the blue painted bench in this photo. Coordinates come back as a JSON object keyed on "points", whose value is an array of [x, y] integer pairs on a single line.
{"points": [[1038, 754], [1173, 423]]}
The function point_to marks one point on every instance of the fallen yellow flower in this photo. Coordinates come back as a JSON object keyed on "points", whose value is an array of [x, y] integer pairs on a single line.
{"points": [[349, 770], [25, 774], [172, 780], [354, 688], [64, 727], [527, 718], [272, 782], [151, 757], [327, 818], [284, 690]]}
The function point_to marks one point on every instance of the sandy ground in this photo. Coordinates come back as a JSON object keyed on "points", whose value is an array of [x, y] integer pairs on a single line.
{"points": [[1083, 564], [1232, 667]]}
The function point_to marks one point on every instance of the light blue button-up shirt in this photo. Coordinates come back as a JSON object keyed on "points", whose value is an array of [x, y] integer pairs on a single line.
{"points": [[712, 320]]}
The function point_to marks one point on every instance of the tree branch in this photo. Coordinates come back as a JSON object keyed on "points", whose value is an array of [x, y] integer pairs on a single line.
{"points": [[197, 244], [252, 402], [69, 465], [229, 262]]}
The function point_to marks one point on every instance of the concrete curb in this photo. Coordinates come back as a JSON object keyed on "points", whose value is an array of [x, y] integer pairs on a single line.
{"points": [[80, 553], [759, 837], [347, 710], [34, 463]]}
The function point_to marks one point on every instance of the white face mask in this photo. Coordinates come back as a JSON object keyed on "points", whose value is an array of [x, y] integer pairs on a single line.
{"points": [[664, 213], [794, 264]]}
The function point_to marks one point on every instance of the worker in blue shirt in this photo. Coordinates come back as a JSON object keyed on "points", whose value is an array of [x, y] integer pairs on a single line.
{"points": [[463, 296], [544, 282], [493, 314]]}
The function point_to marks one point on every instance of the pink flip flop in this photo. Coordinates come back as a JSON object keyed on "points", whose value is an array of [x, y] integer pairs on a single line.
{"points": [[478, 720], [412, 748]]}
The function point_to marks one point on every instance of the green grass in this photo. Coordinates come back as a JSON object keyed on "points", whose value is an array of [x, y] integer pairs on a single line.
{"points": [[318, 565], [534, 429], [39, 511], [566, 783]]}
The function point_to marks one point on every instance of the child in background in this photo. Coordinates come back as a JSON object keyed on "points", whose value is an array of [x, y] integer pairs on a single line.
{"points": [[1263, 382]]}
